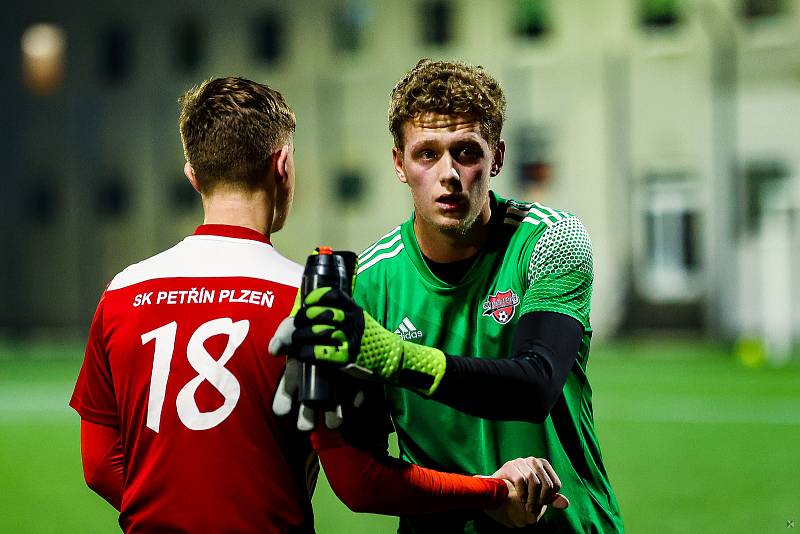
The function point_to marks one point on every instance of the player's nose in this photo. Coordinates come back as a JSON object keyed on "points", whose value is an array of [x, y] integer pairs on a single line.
{"points": [[448, 172]]}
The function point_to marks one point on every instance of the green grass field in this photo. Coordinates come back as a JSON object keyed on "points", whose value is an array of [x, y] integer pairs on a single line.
{"points": [[693, 442]]}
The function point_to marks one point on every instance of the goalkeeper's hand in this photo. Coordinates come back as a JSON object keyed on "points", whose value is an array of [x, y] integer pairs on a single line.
{"points": [[332, 329]]}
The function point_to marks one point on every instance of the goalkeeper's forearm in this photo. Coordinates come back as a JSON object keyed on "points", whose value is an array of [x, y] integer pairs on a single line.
{"points": [[521, 387]]}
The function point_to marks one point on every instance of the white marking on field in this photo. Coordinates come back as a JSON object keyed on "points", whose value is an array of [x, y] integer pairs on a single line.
{"points": [[34, 402], [700, 409]]}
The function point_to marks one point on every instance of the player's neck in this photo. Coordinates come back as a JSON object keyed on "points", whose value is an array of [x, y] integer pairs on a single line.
{"points": [[449, 246], [252, 210]]}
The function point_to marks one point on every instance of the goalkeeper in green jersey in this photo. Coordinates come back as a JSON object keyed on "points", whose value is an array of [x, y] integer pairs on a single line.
{"points": [[477, 302]]}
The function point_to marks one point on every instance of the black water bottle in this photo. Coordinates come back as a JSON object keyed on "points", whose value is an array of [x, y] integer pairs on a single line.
{"points": [[326, 269]]}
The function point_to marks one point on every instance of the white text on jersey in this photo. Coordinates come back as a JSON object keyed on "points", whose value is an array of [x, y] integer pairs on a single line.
{"points": [[205, 296], [407, 330]]}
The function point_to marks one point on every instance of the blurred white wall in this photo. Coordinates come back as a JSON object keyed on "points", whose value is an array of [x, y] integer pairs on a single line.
{"points": [[650, 134]]}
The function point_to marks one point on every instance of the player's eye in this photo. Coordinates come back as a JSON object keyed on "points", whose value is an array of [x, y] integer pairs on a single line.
{"points": [[468, 155], [426, 154]]}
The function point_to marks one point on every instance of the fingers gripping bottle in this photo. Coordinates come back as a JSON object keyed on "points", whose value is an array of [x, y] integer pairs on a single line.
{"points": [[317, 391]]}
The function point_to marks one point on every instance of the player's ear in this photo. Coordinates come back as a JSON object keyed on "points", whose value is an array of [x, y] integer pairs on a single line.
{"points": [[499, 157], [397, 159], [283, 163], [189, 172]]}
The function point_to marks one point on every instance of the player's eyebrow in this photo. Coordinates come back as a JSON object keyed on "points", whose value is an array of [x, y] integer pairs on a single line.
{"points": [[429, 142], [468, 143], [467, 137]]}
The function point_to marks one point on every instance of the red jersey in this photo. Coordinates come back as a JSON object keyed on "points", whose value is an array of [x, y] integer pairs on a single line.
{"points": [[177, 360]]}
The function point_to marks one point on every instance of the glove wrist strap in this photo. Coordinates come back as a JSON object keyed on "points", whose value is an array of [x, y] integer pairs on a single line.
{"points": [[400, 362], [423, 368]]}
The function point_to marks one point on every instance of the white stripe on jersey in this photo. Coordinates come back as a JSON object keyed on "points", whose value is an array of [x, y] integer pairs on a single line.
{"points": [[376, 243], [558, 215], [364, 258], [379, 257], [409, 324], [544, 216], [517, 211], [524, 206], [211, 256]]}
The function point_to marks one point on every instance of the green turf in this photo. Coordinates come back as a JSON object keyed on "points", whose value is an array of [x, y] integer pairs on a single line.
{"points": [[697, 442], [693, 442]]}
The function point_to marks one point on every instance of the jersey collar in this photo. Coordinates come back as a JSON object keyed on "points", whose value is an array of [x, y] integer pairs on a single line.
{"points": [[487, 255], [227, 230]]}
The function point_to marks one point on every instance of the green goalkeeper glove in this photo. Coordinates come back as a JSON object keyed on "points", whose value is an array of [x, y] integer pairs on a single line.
{"points": [[332, 329]]}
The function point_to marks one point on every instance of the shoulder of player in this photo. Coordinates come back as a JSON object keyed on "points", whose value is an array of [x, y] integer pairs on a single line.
{"points": [[564, 244], [381, 252], [217, 258], [526, 218]]}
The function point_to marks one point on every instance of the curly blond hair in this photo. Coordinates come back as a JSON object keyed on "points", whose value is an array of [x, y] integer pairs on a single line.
{"points": [[448, 88], [230, 127]]}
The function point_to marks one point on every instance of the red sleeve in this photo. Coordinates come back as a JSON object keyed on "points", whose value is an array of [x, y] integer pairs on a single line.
{"points": [[391, 486], [101, 452], [94, 398]]}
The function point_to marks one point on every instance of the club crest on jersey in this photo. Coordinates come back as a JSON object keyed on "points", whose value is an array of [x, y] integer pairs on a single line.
{"points": [[501, 306]]}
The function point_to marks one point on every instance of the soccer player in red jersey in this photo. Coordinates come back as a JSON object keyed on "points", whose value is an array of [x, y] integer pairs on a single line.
{"points": [[176, 387]]}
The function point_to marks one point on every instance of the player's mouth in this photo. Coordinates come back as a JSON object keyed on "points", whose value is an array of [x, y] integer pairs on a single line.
{"points": [[451, 202]]}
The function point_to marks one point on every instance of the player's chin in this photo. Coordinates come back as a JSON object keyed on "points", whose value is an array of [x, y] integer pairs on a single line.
{"points": [[452, 225]]}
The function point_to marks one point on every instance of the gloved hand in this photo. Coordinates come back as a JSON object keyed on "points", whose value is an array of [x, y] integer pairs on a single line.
{"points": [[332, 329], [288, 387]]}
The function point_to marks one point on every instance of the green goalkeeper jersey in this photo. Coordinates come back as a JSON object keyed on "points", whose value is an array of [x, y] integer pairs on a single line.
{"points": [[535, 259]]}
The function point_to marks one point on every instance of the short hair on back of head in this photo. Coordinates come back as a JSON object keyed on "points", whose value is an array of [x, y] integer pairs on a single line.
{"points": [[448, 88], [229, 128]]}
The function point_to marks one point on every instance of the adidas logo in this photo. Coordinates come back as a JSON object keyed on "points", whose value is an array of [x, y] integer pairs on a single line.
{"points": [[407, 330]]}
